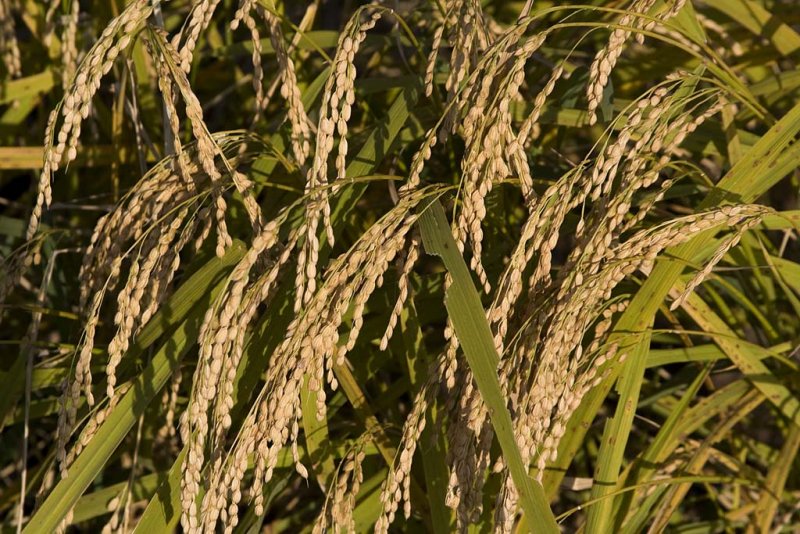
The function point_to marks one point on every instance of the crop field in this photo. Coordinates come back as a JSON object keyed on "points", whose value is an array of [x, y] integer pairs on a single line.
{"points": [[403, 266]]}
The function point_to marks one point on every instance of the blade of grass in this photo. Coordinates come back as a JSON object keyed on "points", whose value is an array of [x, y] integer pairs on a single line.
{"points": [[26, 87], [31, 157], [711, 352], [658, 482], [757, 19], [752, 367], [316, 438], [615, 438], [469, 321], [96, 504], [666, 440], [770, 498], [686, 20], [675, 494]]}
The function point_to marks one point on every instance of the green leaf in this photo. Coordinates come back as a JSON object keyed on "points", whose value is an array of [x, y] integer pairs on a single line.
{"points": [[316, 437], [710, 352], [753, 16], [753, 368], [163, 510], [667, 439], [615, 438], [772, 494], [26, 87], [469, 321], [96, 504], [675, 494], [686, 20]]}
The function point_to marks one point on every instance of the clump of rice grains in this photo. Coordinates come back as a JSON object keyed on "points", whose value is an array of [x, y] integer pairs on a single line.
{"points": [[636, 19], [308, 348], [552, 300], [341, 497], [137, 246], [64, 124], [560, 350], [69, 44], [337, 105], [9, 47]]}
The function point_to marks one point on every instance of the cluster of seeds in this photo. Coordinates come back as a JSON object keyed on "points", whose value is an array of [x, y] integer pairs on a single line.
{"points": [[9, 47], [337, 105], [78, 96], [296, 113], [726, 245], [547, 370], [309, 347], [243, 14], [341, 500], [69, 45], [468, 35], [199, 19], [637, 18], [396, 489], [50, 20], [146, 233], [207, 148], [490, 139]]}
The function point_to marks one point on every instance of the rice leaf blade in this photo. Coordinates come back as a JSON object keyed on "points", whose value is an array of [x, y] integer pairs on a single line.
{"points": [[465, 310]]}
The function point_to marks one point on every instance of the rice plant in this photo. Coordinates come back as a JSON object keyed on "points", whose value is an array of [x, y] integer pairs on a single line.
{"points": [[430, 265]]}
